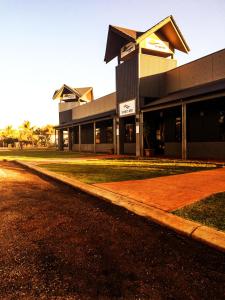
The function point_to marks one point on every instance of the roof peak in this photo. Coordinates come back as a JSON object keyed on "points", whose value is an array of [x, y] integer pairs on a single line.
{"points": [[120, 36]]}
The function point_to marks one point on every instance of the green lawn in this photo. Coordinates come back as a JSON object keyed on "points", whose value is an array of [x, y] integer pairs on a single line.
{"points": [[95, 170], [39, 155], [209, 211], [103, 170]]}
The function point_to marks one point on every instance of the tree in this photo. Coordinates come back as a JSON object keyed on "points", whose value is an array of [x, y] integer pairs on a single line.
{"points": [[26, 134], [44, 135], [8, 135]]}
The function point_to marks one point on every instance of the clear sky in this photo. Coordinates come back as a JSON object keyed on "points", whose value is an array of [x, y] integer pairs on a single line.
{"points": [[45, 43]]}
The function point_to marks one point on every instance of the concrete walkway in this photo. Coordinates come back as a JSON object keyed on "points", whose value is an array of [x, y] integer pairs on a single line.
{"points": [[171, 192]]}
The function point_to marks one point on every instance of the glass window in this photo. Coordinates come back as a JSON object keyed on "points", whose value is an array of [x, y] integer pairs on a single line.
{"points": [[109, 134], [221, 122], [178, 129]]}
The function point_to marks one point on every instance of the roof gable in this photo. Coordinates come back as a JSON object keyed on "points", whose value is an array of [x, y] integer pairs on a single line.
{"points": [[65, 89], [119, 37], [171, 31], [80, 93]]}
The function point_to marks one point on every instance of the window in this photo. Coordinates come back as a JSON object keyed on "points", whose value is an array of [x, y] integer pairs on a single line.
{"points": [[129, 133], [178, 129], [221, 121], [109, 134]]}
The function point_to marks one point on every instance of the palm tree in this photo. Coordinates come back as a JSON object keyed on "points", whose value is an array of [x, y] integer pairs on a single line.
{"points": [[26, 134]]}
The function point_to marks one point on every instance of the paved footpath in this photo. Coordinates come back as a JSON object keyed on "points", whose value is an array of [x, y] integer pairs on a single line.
{"points": [[59, 243], [171, 192]]}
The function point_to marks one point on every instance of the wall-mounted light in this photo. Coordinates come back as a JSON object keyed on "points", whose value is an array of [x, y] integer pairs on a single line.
{"points": [[202, 114]]}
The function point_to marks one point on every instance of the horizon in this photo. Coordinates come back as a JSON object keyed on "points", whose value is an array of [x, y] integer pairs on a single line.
{"points": [[42, 48]]}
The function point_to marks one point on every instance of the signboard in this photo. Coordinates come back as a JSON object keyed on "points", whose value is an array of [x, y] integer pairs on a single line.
{"points": [[137, 128], [69, 96], [127, 108], [128, 48], [155, 44]]}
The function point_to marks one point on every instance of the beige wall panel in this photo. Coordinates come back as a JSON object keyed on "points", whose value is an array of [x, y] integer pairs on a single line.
{"points": [[75, 147], [67, 105], [152, 74], [219, 65], [105, 148], [87, 147], [150, 65], [197, 73], [172, 79], [97, 106], [201, 71]]}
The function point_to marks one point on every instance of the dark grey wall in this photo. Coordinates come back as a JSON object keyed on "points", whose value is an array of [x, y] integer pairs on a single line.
{"points": [[65, 116], [127, 80], [87, 134]]}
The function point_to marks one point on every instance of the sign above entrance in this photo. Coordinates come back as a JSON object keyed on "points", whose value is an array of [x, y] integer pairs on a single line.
{"points": [[127, 108]]}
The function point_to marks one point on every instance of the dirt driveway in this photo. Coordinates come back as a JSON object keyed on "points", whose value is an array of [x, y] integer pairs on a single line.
{"points": [[58, 243]]}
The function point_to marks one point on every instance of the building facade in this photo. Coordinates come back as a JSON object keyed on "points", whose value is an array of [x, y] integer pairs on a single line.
{"points": [[158, 108]]}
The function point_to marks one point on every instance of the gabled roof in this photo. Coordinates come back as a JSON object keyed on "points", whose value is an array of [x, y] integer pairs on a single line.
{"points": [[171, 31], [119, 37], [83, 91], [79, 92]]}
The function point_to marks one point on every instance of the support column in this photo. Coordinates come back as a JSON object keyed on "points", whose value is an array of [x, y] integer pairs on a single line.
{"points": [[114, 136], [141, 120], [60, 140], [70, 144], [94, 129], [117, 135], [184, 131], [79, 138], [137, 123], [55, 138]]}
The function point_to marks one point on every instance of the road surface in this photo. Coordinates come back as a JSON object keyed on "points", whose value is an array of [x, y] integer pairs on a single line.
{"points": [[59, 243]]}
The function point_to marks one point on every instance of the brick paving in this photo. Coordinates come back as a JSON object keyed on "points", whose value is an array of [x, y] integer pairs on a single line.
{"points": [[171, 192]]}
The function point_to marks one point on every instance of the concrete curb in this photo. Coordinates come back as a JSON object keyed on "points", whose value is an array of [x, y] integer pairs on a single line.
{"points": [[194, 230]]}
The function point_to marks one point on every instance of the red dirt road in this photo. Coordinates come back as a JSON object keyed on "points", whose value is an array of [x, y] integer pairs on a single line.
{"points": [[59, 243]]}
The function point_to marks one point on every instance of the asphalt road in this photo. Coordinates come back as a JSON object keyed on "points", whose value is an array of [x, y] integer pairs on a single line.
{"points": [[59, 243]]}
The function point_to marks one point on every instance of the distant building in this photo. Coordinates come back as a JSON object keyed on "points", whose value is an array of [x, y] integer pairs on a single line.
{"points": [[174, 111]]}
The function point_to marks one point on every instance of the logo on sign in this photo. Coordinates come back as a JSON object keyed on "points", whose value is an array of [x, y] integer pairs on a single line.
{"points": [[157, 45]]}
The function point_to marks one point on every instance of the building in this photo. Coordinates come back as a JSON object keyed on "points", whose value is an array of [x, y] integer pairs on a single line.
{"points": [[173, 111]]}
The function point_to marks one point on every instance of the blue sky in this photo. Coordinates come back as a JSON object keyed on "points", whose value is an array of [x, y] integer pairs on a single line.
{"points": [[45, 43]]}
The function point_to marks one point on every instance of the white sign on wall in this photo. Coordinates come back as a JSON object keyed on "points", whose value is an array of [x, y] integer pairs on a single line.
{"points": [[69, 96], [127, 108], [128, 48], [156, 44]]}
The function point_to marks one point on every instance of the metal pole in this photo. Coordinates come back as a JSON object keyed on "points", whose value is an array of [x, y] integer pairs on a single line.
{"points": [[184, 131]]}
